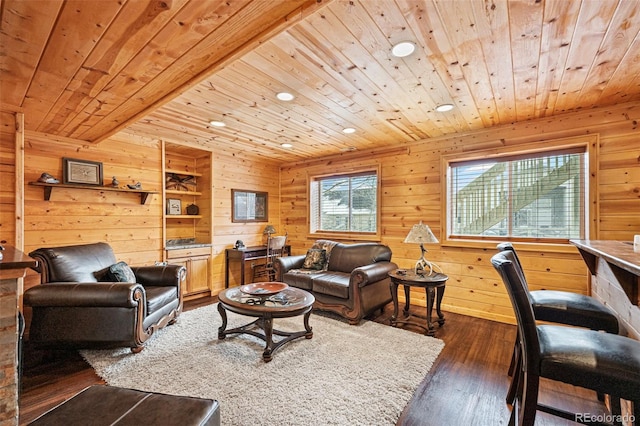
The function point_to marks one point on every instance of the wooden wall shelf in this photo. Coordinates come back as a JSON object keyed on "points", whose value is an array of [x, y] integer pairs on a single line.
{"points": [[144, 194], [178, 192], [184, 216]]}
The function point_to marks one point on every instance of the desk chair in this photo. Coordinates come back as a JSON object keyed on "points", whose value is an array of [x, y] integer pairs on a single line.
{"points": [[275, 248], [561, 307], [604, 362]]}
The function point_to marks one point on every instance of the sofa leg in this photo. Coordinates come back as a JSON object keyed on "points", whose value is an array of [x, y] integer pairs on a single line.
{"points": [[137, 349]]}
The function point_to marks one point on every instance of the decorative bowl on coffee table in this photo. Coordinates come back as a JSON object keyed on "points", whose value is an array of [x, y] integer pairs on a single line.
{"points": [[263, 288]]}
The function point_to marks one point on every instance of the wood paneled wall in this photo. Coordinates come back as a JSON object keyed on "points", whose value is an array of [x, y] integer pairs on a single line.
{"points": [[76, 216], [8, 177], [411, 191], [410, 177], [236, 171]]}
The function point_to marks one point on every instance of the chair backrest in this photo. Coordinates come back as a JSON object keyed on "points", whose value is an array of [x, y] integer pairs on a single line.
{"points": [[518, 264], [275, 246], [506, 264], [79, 263]]}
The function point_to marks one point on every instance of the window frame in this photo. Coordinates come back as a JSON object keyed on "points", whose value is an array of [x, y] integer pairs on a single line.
{"points": [[589, 143], [345, 235]]}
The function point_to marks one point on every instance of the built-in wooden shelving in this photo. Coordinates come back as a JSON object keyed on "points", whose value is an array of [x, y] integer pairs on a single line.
{"points": [[178, 192], [48, 187]]}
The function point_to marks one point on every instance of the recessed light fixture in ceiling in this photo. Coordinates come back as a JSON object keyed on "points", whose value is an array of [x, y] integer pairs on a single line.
{"points": [[285, 96], [217, 123], [286, 145], [348, 130], [444, 107], [402, 49]]}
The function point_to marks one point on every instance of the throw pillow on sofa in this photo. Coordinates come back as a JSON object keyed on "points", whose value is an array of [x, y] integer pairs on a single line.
{"points": [[121, 272], [315, 260]]}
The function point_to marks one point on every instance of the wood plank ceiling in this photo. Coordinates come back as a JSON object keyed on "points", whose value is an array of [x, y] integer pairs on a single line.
{"points": [[163, 69]]}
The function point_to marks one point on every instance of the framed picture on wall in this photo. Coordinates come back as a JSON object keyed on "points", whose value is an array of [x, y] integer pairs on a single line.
{"points": [[174, 206], [249, 206], [81, 172]]}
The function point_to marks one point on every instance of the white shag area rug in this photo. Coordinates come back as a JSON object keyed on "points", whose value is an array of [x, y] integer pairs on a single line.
{"points": [[344, 375]]}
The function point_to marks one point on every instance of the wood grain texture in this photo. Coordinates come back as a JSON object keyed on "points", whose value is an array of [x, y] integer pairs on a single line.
{"points": [[86, 70], [412, 192]]}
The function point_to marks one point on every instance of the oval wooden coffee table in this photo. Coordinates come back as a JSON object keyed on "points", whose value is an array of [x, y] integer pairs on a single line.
{"points": [[289, 302]]}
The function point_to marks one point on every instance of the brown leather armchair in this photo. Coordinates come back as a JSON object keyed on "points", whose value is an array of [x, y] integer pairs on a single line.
{"points": [[81, 304]]}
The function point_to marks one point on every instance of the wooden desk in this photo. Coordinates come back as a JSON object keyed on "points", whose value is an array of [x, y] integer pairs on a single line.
{"points": [[244, 255]]}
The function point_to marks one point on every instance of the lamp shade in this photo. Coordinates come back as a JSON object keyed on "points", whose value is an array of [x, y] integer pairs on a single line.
{"points": [[269, 229], [420, 233]]}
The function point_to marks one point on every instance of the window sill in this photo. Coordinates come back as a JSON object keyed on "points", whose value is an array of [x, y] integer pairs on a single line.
{"points": [[520, 246], [338, 236]]}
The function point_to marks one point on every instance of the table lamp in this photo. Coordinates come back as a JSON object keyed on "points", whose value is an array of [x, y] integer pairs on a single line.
{"points": [[268, 230], [420, 234]]}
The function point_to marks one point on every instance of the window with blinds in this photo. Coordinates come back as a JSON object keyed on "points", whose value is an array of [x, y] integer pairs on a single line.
{"points": [[537, 196], [344, 203]]}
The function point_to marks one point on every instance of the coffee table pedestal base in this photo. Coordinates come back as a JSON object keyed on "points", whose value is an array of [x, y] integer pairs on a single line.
{"points": [[262, 328]]}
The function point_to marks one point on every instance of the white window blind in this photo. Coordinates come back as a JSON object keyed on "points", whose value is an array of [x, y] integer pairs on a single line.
{"points": [[344, 203], [536, 196]]}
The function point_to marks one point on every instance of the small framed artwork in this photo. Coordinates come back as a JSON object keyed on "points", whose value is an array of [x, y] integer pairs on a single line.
{"points": [[249, 206], [174, 206], [82, 172]]}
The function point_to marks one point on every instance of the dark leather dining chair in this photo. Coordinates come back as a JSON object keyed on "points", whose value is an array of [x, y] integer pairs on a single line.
{"points": [[561, 307], [604, 362]]}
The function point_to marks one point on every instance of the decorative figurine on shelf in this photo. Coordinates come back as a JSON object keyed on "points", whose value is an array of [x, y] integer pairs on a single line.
{"points": [[137, 185], [47, 178], [114, 182], [192, 209], [180, 182]]}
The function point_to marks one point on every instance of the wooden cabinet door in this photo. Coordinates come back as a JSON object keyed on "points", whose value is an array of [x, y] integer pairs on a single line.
{"points": [[198, 274]]}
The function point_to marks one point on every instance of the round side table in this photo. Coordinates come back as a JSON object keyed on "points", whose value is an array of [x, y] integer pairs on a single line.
{"points": [[434, 286]]}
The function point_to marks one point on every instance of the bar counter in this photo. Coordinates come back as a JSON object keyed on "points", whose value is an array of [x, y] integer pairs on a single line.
{"points": [[615, 270]]}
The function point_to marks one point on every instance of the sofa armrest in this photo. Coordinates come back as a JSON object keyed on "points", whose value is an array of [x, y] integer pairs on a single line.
{"points": [[168, 275], [373, 273], [103, 294], [287, 263]]}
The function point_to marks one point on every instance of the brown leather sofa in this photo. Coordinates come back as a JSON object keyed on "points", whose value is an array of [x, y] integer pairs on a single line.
{"points": [[354, 282], [80, 304]]}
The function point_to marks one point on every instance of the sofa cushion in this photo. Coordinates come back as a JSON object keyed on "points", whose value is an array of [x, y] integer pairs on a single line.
{"points": [[158, 297], [300, 278], [332, 283], [347, 257], [316, 259], [121, 272]]}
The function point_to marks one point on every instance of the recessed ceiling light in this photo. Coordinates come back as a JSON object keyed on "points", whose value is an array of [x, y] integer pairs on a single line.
{"points": [[348, 130], [217, 123], [444, 107], [286, 145], [402, 49], [284, 96]]}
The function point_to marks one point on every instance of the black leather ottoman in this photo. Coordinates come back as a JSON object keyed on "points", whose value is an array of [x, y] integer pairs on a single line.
{"points": [[108, 405]]}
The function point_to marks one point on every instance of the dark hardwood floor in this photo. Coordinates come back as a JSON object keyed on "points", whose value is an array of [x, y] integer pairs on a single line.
{"points": [[466, 385]]}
